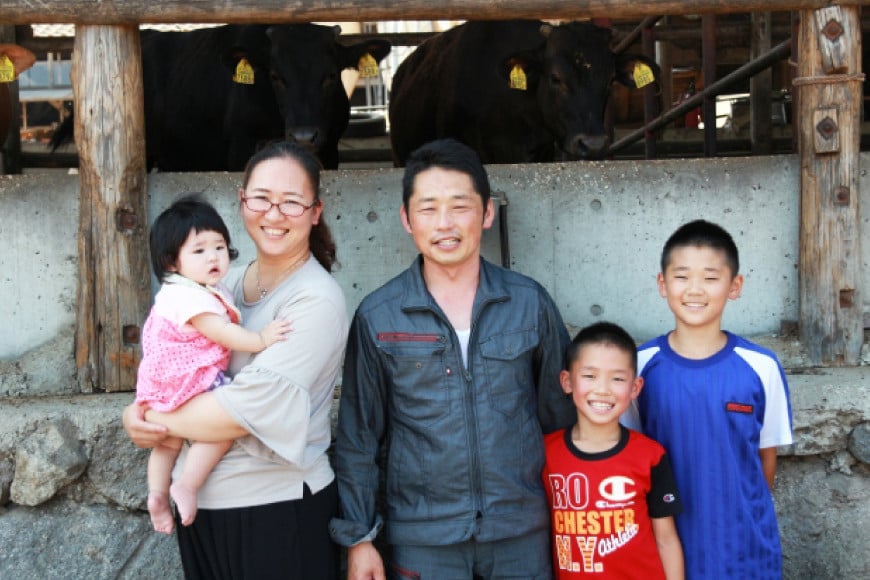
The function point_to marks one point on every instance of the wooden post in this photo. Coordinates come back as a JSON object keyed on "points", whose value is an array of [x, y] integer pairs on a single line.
{"points": [[114, 282], [760, 86], [829, 86], [667, 84]]}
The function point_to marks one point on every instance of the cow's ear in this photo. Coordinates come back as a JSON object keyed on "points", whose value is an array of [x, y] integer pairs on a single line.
{"points": [[375, 48], [21, 58], [635, 71], [233, 56], [251, 43]]}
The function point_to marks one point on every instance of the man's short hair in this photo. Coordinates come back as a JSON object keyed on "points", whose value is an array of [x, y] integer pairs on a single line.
{"points": [[445, 154]]}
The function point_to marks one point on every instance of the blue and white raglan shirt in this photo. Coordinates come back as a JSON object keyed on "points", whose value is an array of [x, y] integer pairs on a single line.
{"points": [[712, 416]]}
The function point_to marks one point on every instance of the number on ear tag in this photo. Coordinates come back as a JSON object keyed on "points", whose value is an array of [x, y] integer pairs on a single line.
{"points": [[7, 69], [643, 75], [244, 73], [368, 66], [518, 78]]}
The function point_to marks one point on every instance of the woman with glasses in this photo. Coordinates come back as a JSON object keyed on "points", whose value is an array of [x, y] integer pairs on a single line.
{"points": [[264, 510]]}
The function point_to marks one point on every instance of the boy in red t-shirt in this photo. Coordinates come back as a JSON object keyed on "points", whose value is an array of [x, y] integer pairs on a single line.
{"points": [[611, 492]]}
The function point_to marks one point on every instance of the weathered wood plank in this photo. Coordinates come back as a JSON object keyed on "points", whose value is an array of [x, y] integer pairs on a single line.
{"points": [[728, 34], [114, 284], [829, 87], [265, 11]]}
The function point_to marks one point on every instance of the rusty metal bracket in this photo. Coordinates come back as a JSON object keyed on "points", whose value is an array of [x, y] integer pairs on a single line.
{"points": [[127, 219], [827, 136], [833, 30], [842, 196], [130, 334]]}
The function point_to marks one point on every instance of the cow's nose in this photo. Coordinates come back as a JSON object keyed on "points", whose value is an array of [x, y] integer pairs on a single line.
{"points": [[303, 135], [584, 146]]}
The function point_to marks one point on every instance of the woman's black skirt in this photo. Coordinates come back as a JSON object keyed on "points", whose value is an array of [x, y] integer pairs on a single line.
{"points": [[285, 540]]}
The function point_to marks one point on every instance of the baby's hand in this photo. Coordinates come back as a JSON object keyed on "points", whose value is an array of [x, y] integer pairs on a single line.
{"points": [[275, 331]]}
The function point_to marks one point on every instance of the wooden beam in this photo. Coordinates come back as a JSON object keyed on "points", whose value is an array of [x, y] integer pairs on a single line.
{"points": [[679, 33], [829, 87], [114, 290], [265, 11]]}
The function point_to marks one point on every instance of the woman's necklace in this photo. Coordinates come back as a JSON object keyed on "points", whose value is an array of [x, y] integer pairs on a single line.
{"points": [[263, 291]]}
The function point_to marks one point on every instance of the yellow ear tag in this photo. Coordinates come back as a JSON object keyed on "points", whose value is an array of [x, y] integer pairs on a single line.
{"points": [[244, 73], [7, 69], [643, 75], [518, 78], [368, 66]]}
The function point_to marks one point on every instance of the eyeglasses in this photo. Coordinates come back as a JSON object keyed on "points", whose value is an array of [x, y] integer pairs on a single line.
{"points": [[287, 208]]}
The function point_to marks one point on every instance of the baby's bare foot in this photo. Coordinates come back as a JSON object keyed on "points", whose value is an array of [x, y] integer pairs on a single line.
{"points": [[185, 502], [161, 513]]}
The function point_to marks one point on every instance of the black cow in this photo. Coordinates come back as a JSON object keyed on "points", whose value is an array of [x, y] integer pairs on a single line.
{"points": [[21, 59], [458, 84], [198, 118]]}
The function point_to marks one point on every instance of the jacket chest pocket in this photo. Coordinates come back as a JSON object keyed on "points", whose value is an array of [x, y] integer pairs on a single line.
{"points": [[418, 390], [509, 366]]}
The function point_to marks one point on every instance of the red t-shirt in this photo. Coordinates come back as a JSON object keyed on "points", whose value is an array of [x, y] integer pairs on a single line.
{"points": [[601, 505]]}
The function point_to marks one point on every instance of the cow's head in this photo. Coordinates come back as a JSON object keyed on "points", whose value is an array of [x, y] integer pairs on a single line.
{"points": [[306, 61], [298, 67], [571, 75]]}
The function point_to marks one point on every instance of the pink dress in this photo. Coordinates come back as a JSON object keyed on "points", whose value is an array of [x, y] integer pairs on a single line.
{"points": [[178, 362]]}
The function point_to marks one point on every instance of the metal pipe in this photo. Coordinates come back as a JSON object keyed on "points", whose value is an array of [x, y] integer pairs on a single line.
{"points": [[505, 237], [650, 105], [629, 39], [500, 199], [708, 65], [777, 53]]}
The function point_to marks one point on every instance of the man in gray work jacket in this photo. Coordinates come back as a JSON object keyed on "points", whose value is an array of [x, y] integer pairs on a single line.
{"points": [[452, 368]]}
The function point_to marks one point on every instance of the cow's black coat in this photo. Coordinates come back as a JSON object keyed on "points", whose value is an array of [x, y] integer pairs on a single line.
{"points": [[198, 119], [456, 84]]}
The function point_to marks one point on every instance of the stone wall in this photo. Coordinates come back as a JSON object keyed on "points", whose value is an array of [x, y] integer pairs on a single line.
{"points": [[72, 491], [72, 486]]}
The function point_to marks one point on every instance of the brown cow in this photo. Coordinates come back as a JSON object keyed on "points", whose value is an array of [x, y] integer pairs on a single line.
{"points": [[22, 59]]}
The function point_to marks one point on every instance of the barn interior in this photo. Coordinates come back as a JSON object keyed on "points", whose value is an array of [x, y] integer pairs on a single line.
{"points": [[752, 112]]}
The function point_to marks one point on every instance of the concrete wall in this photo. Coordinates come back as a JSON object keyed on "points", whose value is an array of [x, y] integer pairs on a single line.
{"points": [[72, 487], [590, 232]]}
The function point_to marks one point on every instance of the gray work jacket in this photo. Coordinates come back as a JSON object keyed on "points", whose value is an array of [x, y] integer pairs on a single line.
{"points": [[462, 448]]}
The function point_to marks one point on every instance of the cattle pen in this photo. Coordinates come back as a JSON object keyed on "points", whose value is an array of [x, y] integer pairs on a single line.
{"points": [[114, 287]]}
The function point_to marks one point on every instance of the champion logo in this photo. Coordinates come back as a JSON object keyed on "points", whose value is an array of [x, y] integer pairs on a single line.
{"points": [[669, 498], [615, 488], [744, 408]]}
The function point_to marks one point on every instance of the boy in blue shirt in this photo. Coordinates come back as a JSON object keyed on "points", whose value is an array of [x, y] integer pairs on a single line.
{"points": [[719, 405]]}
